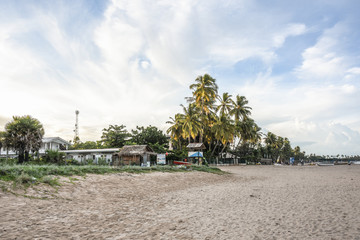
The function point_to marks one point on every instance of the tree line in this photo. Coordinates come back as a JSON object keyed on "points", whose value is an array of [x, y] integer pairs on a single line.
{"points": [[24, 135], [117, 136], [224, 124]]}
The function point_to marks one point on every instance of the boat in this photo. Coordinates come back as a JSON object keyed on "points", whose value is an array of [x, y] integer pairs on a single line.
{"points": [[325, 164], [181, 163], [356, 162]]}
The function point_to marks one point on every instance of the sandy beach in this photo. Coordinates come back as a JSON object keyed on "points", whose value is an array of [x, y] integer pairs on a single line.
{"points": [[253, 202]]}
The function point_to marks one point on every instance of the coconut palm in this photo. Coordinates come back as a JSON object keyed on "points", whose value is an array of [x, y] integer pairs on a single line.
{"points": [[240, 111], [175, 130], [223, 130], [204, 92], [226, 104], [270, 141], [191, 124]]}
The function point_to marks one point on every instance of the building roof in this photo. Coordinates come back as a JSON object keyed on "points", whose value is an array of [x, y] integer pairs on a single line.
{"points": [[104, 150], [196, 146], [131, 150], [55, 139]]}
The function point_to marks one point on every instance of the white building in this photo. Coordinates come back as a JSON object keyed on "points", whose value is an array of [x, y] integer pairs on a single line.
{"points": [[48, 143], [94, 155]]}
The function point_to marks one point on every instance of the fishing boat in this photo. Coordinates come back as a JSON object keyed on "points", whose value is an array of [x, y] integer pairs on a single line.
{"points": [[181, 163], [322, 164]]}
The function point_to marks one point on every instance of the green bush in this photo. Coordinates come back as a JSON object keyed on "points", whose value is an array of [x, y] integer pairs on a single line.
{"points": [[102, 161], [28, 174], [54, 156]]}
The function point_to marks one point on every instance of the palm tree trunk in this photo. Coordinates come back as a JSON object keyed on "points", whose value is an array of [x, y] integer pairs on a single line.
{"points": [[223, 148], [212, 153]]}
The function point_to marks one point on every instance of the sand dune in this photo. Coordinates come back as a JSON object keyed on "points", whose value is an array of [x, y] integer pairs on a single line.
{"points": [[254, 202]]}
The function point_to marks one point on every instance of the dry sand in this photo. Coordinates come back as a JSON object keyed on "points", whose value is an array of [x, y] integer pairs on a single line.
{"points": [[254, 202]]}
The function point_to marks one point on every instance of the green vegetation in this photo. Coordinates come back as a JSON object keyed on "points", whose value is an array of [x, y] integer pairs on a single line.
{"points": [[117, 136], [32, 174], [224, 124], [24, 135]]}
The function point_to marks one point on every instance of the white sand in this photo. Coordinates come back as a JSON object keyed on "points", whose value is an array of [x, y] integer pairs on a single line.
{"points": [[254, 202]]}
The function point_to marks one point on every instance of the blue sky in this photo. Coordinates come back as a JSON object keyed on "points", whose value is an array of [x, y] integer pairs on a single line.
{"points": [[131, 63]]}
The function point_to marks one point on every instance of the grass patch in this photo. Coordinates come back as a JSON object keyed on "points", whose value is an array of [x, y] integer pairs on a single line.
{"points": [[32, 174]]}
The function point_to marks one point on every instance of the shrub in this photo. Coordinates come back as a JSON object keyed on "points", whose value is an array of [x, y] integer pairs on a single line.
{"points": [[54, 156]]}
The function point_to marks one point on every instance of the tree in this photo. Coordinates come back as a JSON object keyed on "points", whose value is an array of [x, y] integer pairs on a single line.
{"points": [[2, 140], [175, 130], [191, 124], [223, 130], [270, 141], [87, 145], [286, 151], [114, 136], [240, 111], [225, 104], [24, 135], [149, 135], [204, 92]]}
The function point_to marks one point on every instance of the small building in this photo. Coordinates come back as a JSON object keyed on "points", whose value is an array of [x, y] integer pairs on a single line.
{"points": [[134, 155], [195, 154], [91, 155], [266, 161]]}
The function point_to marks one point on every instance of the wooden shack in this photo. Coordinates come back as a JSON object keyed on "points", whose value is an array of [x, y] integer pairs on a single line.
{"points": [[195, 154], [133, 155]]}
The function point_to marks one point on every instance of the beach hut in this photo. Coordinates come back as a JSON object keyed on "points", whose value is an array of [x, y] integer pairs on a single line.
{"points": [[195, 152], [134, 155]]}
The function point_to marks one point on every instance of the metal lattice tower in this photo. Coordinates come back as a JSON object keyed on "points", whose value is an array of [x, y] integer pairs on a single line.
{"points": [[76, 138]]}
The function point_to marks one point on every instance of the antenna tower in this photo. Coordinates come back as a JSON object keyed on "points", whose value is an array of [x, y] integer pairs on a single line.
{"points": [[76, 138]]}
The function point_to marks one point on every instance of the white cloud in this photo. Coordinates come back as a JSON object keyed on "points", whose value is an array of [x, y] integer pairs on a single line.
{"points": [[290, 30], [133, 66], [355, 70], [326, 60]]}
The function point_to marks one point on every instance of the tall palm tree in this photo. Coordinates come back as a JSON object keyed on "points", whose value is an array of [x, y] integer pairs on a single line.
{"points": [[248, 131], [255, 134], [297, 152], [223, 130], [175, 130], [204, 92], [240, 111], [226, 104], [270, 141], [191, 124]]}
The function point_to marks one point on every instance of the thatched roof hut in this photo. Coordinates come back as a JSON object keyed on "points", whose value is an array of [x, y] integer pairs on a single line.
{"points": [[133, 155], [195, 146]]}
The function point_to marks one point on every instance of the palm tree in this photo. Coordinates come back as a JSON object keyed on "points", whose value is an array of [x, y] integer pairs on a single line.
{"points": [[226, 104], [175, 130], [204, 92], [223, 130], [240, 111], [270, 141], [24, 135], [255, 133], [297, 152], [191, 125]]}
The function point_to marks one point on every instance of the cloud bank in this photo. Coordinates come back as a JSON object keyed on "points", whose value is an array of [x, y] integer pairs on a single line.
{"points": [[131, 62]]}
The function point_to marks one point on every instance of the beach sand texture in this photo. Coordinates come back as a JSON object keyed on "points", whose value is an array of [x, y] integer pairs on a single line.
{"points": [[254, 202]]}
